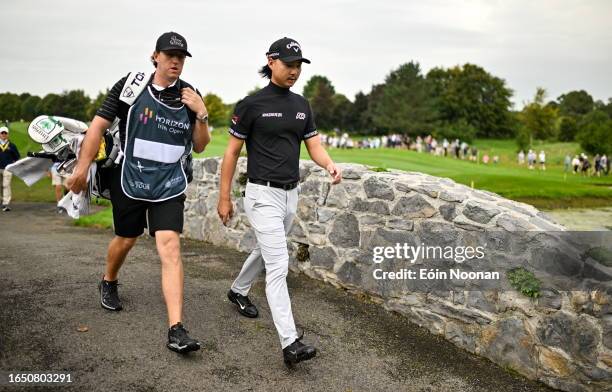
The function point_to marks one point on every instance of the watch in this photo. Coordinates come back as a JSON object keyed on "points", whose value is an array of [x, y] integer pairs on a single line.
{"points": [[203, 119]]}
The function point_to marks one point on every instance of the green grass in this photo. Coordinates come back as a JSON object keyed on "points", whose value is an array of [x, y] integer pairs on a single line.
{"points": [[544, 189], [102, 219]]}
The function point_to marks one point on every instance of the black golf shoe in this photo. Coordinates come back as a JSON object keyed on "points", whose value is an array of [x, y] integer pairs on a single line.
{"points": [[179, 340], [245, 307], [109, 297], [298, 352]]}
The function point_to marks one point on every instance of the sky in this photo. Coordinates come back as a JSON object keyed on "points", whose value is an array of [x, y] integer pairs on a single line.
{"points": [[561, 45]]}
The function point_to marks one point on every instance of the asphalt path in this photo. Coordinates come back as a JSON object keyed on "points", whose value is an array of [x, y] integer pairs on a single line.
{"points": [[49, 270]]}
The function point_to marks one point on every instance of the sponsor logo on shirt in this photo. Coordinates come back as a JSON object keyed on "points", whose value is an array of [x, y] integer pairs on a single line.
{"points": [[271, 115], [172, 126], [173, 181], [141, 185], [300, 116], [146, 115], [235, 119]]}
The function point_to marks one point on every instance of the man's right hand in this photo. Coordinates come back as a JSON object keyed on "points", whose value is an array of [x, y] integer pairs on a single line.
{"points": [[225, 209], [77, 182]]}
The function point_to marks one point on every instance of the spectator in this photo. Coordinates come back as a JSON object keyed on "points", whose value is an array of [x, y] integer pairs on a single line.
{"points": [[474, 156], [567, 162], [531, 158], [8, 154], [576, 163], [495, 159], [521, 157], [597, 165], [586, 165], [605, 164], [542, 158], [485, 158]]}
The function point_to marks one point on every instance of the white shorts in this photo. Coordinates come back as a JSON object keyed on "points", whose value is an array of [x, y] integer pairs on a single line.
{"points": [[56, 179]]}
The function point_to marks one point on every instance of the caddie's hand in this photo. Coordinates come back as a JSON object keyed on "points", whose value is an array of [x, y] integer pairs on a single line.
{"points": [[193, 101], [335, 172], [225, 209], [77, 182]]}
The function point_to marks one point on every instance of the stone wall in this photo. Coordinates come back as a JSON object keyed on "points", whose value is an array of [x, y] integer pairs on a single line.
{"points": [[563, 338]]}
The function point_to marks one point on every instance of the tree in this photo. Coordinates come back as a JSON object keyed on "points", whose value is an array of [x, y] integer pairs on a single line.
{"points": [[31, 107], [75, 104], [310, 89], [568, 128], [320, 93], [403, 103], [10, 107], [51, 104], [539, 120], [575, 103], [595, 131], [342, 112], [608, 108], [96, 104], [458, 130], [360, 119], [470, 93], [218, 114]]}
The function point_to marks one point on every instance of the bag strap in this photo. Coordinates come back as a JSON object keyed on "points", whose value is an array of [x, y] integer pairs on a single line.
{"points": [[134, 86]]}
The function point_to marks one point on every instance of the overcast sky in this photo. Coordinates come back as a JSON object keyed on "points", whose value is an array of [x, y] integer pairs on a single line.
{"points": [[561, 45]]}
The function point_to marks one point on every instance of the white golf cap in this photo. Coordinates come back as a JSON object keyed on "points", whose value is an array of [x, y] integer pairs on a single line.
{"points": [[4, 129]]}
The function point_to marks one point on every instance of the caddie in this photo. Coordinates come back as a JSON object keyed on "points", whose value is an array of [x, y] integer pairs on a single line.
{"points": [[162, 119], [273, 122]]}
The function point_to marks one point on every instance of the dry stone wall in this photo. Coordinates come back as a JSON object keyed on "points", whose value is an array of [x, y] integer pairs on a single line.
{"points": [[563, 338]]}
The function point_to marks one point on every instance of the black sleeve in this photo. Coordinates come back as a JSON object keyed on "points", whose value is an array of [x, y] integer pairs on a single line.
{"points": [[242, 120], [15, 152], [310, 130], [110, 106]]}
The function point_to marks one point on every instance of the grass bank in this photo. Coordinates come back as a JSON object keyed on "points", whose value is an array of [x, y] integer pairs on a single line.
{"points": [[545, 189]]}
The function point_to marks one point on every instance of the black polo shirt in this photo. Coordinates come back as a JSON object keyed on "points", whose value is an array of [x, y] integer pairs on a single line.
{"points": [[273, 122], [113, 107]]}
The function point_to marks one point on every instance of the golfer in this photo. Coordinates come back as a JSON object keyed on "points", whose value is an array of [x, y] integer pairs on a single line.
{"points": [[157, 133], [273, 122]]}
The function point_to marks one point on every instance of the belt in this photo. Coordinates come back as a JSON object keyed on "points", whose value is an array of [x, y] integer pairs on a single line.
{"points": [[286, 187]]}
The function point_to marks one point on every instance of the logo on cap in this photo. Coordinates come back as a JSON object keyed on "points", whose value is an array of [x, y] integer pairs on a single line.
{"points": [[294, 45], [176, 41]]}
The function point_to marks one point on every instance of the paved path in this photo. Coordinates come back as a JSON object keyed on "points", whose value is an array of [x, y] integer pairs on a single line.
{"points": [[48, 275]]}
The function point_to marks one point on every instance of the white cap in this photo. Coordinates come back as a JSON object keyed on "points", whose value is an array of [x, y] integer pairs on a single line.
{"points": [[4, 129]]}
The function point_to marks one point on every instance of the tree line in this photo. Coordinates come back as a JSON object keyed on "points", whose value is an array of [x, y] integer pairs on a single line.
{"points": [[464, 102]]}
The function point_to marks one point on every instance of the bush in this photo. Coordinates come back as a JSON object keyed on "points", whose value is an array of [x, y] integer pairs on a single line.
{"points": [[524, 281]]}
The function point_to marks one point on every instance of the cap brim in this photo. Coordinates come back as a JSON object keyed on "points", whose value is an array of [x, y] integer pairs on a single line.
{"points": [[295, 58], [175, 49]]}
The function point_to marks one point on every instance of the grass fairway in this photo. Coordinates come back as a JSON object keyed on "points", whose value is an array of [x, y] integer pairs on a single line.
{"points": [[544, 189]]}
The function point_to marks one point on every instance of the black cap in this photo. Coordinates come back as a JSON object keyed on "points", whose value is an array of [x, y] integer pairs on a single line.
{"points": [[287, 50], [172, 41]]}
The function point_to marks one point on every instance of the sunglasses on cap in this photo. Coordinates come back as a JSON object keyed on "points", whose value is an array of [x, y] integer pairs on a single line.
{"points": [[4, 133]]}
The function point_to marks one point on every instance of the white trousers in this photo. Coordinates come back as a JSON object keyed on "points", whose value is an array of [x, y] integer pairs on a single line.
{"points": [[6, 186], [270, 212]]}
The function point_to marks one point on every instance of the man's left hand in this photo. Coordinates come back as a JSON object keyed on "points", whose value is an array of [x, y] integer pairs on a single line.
{"points": [[335, 172], [193, 101]]}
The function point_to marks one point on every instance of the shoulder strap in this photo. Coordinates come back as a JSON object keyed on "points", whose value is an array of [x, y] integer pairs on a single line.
{"points": [[134, 86]]}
